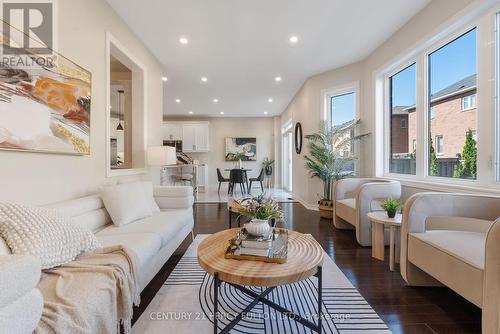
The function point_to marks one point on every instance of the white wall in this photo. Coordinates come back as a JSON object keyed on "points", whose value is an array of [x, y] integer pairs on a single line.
{"points": [[306, 107], [35, 178], [221, 127]]}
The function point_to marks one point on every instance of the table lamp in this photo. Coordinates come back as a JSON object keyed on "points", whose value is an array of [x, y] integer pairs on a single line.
{"points": [[162, 156]]}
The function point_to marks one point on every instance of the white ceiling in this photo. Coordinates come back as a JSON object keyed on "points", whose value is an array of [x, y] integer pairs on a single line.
{"points": [[242, 45]]}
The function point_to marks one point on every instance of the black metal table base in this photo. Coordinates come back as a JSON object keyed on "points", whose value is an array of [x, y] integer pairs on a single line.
{"points": [[262, 298]]}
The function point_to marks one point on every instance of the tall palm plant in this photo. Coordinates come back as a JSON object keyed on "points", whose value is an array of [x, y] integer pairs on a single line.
{"points": [[326, 161]]}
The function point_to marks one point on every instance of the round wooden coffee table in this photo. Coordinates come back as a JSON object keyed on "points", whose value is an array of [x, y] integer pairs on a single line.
{"points": [[305, 257]]}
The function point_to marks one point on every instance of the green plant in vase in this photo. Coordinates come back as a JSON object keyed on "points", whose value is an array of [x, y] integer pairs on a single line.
{"points": [[268, 166], [261, 210], [392, 206], [327, 159]]}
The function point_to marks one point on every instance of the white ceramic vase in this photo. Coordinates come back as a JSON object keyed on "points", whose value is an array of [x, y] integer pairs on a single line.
{"points": [[258, 227]]}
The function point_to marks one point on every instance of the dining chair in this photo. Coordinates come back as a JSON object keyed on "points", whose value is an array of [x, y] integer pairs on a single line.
{"points": [[259, 178], [221, 179], [236, 176]]}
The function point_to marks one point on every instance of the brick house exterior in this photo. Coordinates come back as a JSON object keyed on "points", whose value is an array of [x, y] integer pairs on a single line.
{"points": [[399, 130], [447, 120]]}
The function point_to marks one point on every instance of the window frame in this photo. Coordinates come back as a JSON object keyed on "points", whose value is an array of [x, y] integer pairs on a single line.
{"points": [[469, 98], [496, 156], [439, 151], [419, 55], [466, 28], [326, 111], [404, 124], [388, 112]]}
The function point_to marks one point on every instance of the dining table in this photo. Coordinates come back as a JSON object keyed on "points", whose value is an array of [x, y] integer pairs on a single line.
{"points": [[245, 170]]}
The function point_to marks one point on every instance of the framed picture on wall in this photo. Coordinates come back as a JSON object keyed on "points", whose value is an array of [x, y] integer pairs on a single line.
{"points": [[44, 104], [241, 148]]}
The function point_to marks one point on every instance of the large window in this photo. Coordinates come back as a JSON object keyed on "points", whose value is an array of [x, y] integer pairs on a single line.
{"points": [[452, 109], [403, 139], [342, 111], [453, 141], [343, 108]]}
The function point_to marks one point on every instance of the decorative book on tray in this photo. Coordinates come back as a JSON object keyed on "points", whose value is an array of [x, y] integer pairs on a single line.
{"points": [[271, 248]]}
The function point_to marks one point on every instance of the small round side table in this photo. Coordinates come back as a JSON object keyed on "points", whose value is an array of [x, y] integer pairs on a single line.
{"points": [[380, 220]]}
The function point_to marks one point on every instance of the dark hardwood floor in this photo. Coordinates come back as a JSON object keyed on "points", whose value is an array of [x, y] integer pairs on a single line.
{"points": [[404, 309]]}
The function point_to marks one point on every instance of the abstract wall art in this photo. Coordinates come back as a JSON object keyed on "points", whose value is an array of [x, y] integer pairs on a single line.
{"points": [[241, 148], [44, 105]]}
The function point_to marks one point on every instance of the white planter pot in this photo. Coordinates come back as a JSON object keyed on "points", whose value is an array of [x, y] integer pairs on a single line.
{"points": [[258, 227]]}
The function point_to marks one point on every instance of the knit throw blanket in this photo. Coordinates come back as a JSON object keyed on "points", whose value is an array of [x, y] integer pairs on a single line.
{"points": [[93, 294]]}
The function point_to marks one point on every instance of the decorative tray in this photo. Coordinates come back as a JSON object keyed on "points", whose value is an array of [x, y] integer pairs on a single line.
{"points": [[277, 254]]}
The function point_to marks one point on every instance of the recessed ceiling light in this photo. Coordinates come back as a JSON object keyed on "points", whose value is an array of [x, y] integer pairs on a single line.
{"points": [[222, 113], [277, 79], [293, 39], [183, 40], [216, 100], [204, 79], [177, 100], [269, 100], [190, 113], [164, 79], [265, 112]]}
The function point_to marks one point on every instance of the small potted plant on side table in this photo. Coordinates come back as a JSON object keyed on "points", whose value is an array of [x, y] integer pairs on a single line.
{"points": [[392, 206]]}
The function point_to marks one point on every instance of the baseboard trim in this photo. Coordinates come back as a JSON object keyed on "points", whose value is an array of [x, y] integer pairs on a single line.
{"points": [[308, 206]]}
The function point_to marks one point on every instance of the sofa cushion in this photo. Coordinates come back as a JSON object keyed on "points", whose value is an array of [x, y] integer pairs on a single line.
{"points": [[348, 202], [466, 246], [87, 212], [453, 258], [458, 223], [148, 190], [144, 245], [126, 202], [43, 233], [165, 224], [375, 205]]}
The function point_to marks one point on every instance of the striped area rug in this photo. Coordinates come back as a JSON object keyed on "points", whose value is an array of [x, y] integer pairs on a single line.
{"points": [[185, 304]]}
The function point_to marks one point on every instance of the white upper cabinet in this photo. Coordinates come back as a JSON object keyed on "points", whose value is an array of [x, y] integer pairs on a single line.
{"points": [[172, 131], [194, 135], [201, 137]]}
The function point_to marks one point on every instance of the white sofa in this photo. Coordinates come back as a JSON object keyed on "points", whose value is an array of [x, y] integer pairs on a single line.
{"points": [[21, 303], [355, 197], [152, 240], [454, 240]]}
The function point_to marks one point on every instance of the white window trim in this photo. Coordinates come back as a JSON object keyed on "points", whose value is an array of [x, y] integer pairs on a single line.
{"points": [[496, 156], [326, 114], [469, 98], [387, 112], [111, 41], [483, 16], [405, 122], [438, 152]]}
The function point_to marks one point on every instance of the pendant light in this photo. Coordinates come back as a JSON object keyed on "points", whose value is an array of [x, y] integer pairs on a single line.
{"points": [[120, 127]]}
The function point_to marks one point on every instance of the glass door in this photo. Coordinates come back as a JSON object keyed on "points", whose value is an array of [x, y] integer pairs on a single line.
{"points": [[287, 161]]}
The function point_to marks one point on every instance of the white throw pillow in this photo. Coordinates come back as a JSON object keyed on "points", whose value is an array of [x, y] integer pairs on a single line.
{"points": [[148, 192], [43, 233], [126, 202]]}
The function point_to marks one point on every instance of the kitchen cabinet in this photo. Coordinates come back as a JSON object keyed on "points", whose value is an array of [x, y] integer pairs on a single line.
{"points": [[172, 131], [195, 136]]}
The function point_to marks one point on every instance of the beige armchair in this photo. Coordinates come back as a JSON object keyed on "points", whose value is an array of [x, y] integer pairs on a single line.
{"points": [[454, 240], [355, 197]]}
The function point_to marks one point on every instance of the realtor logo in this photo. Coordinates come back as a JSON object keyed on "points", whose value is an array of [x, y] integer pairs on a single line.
{"points": [[28, 27]]}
